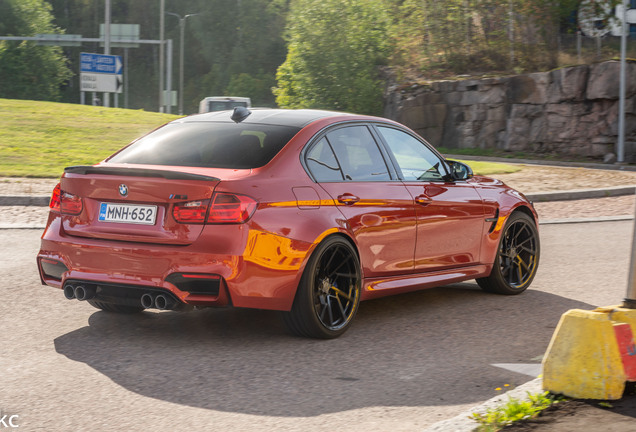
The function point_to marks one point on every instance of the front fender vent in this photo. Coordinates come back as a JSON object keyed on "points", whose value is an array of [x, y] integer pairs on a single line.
{"points": [[494, 220]]}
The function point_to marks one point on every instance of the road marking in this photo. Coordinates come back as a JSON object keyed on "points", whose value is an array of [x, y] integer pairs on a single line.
{"points": [[530, 369]]}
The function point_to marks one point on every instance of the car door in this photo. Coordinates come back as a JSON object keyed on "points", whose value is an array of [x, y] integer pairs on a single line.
{"points": [[378, 210], [450, 214]]}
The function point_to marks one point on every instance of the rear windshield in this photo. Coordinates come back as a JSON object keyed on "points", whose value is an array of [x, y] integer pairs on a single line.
{"points": [[205, 144]]}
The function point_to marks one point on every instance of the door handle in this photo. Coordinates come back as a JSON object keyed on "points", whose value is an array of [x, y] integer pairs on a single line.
{"points": [[348, 199], [423, 200]]}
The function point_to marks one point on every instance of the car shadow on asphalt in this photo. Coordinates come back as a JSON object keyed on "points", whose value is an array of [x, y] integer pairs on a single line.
{"points": [[428, 348]]}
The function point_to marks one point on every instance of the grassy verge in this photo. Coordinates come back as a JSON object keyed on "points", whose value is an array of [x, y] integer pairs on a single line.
{"points": [[514, 410], [38, 139], [548, 157], [490, 168]]}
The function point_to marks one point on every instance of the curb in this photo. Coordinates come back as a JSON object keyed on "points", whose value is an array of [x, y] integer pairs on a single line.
{"points": [[25, 200], [582, 194], [585, 220], [31, 226], [463, 422]]}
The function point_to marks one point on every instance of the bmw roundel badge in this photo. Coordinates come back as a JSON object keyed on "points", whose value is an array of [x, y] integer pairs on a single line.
{"points": [[123, 190]]}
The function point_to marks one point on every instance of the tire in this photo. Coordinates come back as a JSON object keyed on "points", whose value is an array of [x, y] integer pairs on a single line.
{"points": [[116, 308], [517, 257], [329, 292]]}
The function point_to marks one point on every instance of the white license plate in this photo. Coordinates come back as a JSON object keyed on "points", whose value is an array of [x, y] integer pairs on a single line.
{"points": [[127, 213]]}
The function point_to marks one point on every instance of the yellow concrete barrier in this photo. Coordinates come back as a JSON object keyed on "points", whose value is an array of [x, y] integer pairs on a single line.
{"points": [[584, 359]]}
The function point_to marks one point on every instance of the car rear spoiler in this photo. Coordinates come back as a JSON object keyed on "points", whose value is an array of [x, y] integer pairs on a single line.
{"points": [[136, 172]]}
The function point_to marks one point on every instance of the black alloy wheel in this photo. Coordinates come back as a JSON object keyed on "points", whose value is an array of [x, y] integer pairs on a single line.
{"points": [[329, 292], [517, 258]]}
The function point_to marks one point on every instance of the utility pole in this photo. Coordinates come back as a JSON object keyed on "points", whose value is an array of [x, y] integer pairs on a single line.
{"points": [[620, 146], [106, 96], [162, 10], [182, 21]]}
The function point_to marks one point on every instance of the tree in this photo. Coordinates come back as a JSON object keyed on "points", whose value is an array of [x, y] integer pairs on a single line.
{"points": [[27, 70], [333, 53], [235, 48]]}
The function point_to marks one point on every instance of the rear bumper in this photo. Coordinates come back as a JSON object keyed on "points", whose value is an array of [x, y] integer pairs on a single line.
{"points": [[247, 276]]}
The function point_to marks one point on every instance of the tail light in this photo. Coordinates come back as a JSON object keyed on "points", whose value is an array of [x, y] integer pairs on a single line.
{"points": [[65, 202], [224, 208], [231, 208], [191, 212], [70, 204], [54, 204]]}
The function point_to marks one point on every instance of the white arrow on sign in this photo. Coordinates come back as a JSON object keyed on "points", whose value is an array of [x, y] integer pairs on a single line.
{"points": [[102, 83]]}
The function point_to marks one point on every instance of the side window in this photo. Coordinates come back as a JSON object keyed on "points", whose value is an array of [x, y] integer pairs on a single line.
{"points": [[358, 154], [416, 160], [322, 163]]}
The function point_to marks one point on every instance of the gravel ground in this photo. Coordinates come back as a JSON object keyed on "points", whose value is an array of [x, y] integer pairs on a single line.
{"points": [[536, 178], [23, 215], [531, 179], [26, 186], [586, 208]]}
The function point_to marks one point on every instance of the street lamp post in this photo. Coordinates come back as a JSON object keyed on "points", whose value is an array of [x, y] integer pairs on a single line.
{"points": [[162, 95], [182, 21]]}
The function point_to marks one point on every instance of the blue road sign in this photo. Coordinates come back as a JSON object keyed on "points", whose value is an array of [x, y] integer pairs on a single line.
{"points": [[100, 63]]}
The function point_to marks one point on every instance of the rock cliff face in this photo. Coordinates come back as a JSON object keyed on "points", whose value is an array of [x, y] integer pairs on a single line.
{"points": [[571, 111]]}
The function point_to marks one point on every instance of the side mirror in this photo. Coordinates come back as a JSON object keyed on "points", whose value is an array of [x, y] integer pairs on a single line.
{"points": [[459, 170]]}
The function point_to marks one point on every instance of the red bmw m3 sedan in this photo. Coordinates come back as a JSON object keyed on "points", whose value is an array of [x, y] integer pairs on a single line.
{"points": [[302, 211]]}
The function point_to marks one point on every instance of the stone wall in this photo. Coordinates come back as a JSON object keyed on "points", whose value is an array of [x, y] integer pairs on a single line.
{"points": [[570, 111]]}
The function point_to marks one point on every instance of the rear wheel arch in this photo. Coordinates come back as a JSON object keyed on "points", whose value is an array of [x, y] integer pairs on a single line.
{"points": [[348, 239], [327, 235]]}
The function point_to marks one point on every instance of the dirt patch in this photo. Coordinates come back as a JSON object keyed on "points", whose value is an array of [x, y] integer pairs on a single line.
{"points": [[585, 416]]}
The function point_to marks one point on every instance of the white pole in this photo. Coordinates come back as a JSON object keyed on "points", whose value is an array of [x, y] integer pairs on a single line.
{"points": [[125, 77], [169, 76], [182, 22], [620, 151], [162, 12], [630, 297], [107, 43]]}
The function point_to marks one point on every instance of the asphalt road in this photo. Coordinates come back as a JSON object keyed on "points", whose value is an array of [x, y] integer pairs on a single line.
{"points": [[407, 362]]}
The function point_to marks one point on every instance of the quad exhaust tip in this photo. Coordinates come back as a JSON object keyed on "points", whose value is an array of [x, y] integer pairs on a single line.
{"points": [[69, 292], [84, 293], [148, 300], [160, 301], [79, 292], [163, 302]]}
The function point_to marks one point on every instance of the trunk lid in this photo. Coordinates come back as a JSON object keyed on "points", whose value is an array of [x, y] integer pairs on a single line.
{"points": [[112, 194]]}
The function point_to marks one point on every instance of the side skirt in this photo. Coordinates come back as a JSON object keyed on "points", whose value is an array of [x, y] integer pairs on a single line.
{"points": [[379, 287]]}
